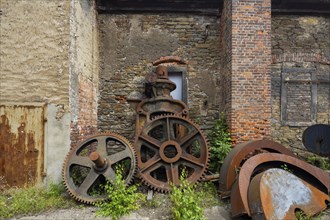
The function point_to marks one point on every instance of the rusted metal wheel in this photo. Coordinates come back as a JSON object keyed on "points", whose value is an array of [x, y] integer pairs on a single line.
{"points": [[165, 147], [95, 160]]}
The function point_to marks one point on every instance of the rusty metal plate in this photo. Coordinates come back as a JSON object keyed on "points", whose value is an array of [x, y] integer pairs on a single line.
{"points": [[311, 174], [316, 139], [21, 144], [237, 157], [278, 194]]}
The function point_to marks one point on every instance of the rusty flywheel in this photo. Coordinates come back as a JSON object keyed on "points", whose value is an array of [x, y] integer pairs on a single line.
{"points": [[94, 160], [166, 146]]}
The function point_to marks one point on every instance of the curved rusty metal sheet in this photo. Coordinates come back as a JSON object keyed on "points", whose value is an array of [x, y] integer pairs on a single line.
{"points": [[237, 207], [239, 154], [311, 174], [316, 139], [269, 197]]}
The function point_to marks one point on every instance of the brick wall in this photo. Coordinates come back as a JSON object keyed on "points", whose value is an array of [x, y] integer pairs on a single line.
{"points": [[249, 98], [129, 45]]}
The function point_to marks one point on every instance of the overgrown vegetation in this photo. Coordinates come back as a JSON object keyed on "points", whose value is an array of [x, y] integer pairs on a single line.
{"points": [[121, 199], [300, 215], [321, 162], [220, 143], [208, 192], [286, 168], [33, 199], [185, 201]]}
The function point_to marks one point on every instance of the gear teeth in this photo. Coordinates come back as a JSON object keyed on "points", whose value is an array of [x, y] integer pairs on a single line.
{"points": [[66, 175], [185, 120]]}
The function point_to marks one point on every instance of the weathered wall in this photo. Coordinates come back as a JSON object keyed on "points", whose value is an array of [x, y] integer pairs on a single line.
{"points": [[49, 55], [35, 66], [300, 50], [34, 51], [246, 96], [225, 63], [129, 45], [83, 69]]}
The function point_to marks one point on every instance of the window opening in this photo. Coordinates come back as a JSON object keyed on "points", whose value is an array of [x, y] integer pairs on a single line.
{"points": [[176, 77]]}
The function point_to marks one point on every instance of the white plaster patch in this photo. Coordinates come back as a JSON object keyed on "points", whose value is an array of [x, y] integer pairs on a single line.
{"points": [[286, 190]]}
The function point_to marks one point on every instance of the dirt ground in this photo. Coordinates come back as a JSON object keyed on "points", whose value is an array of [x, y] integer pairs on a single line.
{"points": [[159, 210], [160, 213], [216, 212]]}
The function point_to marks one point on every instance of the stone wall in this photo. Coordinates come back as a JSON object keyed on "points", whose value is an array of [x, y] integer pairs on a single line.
{"points": [[84, 71], [300, 51], [129, 45]]}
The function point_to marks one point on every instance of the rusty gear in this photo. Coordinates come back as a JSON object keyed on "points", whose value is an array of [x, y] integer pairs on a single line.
{"points": [[90, 163], [166, 146]]}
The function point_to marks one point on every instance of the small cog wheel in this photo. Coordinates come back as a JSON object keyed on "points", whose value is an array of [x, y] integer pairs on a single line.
{"points": [[93, 161], [168, 145]]}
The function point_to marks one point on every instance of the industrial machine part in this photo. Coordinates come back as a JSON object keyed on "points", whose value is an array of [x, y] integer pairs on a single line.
{"points": [[159, 100], [238, 155], [167, 142], [261, 162], [316, 139], [165, 147], [278, 194], [94, 161]]}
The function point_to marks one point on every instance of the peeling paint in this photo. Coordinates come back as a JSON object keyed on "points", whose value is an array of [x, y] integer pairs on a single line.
{"points": [[281, 198]]}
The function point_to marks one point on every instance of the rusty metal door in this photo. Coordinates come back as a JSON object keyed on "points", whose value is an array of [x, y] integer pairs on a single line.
{"points": [[21, 144]]}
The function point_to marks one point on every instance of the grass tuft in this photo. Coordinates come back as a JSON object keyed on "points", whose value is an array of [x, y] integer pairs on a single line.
{"points": [[33, 199]]}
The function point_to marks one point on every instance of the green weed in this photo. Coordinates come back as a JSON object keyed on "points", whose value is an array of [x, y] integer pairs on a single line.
{"points": [[286, 168], [220, 143], [121, 199], [300, 215], [185, 201], [321, 162], [208, 192], [32, 199]]}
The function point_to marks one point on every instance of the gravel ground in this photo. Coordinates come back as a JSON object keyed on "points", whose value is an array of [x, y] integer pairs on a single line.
{"points": [[158, 209], [213, 213], [161, 211]]}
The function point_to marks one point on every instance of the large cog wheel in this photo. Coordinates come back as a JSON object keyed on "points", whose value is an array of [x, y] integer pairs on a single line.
{"points": [[165, 147], [93, 161]]}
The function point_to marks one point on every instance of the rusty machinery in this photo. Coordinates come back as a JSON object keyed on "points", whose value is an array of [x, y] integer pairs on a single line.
{"points": [[167, 142], [267, 181], [94, 160]]}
